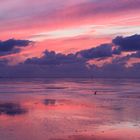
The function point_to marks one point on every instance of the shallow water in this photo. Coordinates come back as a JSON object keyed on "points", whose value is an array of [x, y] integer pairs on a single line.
{"points": [[67, 109]]}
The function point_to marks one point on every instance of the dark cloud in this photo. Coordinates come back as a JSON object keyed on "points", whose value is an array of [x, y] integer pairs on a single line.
{"points": [[131, 43], [59, 65], [104, 50], [11, 109], [53, 64], [52, 58], [116, 69], [12, 45]]}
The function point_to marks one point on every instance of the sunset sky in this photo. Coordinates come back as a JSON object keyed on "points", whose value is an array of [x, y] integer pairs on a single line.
{"points": [[70, 26]]}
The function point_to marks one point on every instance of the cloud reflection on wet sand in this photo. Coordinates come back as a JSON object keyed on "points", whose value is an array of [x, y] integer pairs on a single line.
{"points": [[11, 109]]}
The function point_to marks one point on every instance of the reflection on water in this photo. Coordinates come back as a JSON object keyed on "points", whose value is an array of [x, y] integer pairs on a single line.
{"points": [[11, 109], [67, 109]]}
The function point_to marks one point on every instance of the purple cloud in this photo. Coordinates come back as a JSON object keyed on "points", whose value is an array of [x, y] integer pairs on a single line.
{"points": [[12, 46], [131, 43], [104, 50], [53, 64]]}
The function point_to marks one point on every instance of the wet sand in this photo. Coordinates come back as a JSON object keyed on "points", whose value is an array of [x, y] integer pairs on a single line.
{"points": [[67, 109]]}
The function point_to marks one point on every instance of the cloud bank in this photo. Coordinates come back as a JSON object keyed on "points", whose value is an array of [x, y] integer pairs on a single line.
{"points": [[120, 58]]}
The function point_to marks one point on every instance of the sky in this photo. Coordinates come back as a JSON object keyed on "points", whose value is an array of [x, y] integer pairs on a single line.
{"points": [[58, 36]]}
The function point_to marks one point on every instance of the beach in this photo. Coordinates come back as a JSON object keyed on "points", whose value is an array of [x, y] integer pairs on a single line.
{"points": [[68, 109]]}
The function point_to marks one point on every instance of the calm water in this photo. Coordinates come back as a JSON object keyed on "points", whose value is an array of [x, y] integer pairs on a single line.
{"points": [[67, 109]]}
